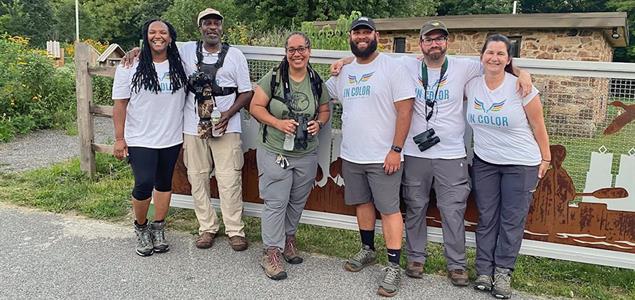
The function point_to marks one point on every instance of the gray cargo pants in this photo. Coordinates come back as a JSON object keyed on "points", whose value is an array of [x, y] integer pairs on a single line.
{"points": [[450, 180], [284, 192]]}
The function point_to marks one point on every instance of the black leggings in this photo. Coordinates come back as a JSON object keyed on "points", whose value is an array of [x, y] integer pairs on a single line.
{"points": [[152, 168]]}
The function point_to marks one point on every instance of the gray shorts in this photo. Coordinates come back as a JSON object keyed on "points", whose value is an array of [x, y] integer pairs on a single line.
{"points": [[364, 183]]}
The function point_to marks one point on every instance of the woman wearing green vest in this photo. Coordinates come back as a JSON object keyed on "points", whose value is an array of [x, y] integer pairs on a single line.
{"points": [[292, 107]]}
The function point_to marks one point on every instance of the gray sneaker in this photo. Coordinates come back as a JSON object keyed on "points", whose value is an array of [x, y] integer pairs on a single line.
{"points": [[144, 240], [158, 237], [389, 286], [502, 283], [483, 283], [361, 259]]}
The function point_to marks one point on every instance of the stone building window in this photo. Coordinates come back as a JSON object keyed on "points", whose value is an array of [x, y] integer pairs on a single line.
{"points": [[515, 45], [399, 45]]}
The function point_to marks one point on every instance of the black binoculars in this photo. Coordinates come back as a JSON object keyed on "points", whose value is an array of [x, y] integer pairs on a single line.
{"points": [[426, 139]]}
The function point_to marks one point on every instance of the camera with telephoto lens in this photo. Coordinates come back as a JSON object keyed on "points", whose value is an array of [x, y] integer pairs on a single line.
{"points": [[201, 85], [426, 139]]}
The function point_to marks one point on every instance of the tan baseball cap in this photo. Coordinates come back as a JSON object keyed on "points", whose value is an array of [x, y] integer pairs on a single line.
{"points": [[208, 12], [431, 26]]}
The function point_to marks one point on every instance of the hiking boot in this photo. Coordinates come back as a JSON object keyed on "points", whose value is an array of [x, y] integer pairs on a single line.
{"points": [[205, 240], [483, 283], [458, 277], [414, 269], [389, 285], [271, 262], [502, 283], [361, 259], [144, 240], [158, 237], [238, 243], [290, 252]]}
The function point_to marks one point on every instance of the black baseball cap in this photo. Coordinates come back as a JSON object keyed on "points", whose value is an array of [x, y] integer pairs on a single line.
{"points": [[363, 22]]}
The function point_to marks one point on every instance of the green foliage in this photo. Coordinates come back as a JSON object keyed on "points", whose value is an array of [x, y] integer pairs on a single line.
{"points": [[183, 13], [32, 18], [473, 7], [330, 38], [628, 6], [32, 92]]}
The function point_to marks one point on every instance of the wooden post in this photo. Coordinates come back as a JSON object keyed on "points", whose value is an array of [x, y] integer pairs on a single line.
{"points": [[84, 90]]}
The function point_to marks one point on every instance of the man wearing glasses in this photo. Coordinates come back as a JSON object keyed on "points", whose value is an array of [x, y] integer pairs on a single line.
{"points": [[435, 155]]}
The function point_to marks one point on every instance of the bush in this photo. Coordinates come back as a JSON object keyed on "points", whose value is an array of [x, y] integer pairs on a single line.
{"points": [[33, 94]]}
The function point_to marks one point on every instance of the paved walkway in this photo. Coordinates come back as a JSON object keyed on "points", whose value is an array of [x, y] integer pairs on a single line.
{"points": [[46, 255]]}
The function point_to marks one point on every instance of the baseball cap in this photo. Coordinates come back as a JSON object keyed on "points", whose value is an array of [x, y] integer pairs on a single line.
{"points": [[431, 26], [363, 22], [208, 12]]}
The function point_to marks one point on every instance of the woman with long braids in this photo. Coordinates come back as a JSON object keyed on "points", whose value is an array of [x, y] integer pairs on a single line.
{"points": [[148, 119], [511, 153], [292, 107]]}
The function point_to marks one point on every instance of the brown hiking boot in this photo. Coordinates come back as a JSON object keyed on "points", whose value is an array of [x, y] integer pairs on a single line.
{"points": [[205, 240], [271, 262], [414, 269], [290, 252], [458, 277], [238, 243]]}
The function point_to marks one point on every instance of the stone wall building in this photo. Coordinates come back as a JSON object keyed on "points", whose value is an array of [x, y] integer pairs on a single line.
{"points": [[575, 105]]}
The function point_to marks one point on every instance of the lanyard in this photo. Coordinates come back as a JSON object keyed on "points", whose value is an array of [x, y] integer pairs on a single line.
{"points": [[424, 79]]}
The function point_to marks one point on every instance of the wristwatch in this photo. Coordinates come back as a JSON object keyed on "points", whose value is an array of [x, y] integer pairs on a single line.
{"points": [[395, 148]]}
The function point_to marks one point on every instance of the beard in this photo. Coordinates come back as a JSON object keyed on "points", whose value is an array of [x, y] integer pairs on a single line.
{"points": [[372, 47], [436, 55]]}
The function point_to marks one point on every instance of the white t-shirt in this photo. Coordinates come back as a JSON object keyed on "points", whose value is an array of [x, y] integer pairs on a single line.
{"points": [[448, 118], [152, 120], [367, 93], [234, 73], [502, 134]]}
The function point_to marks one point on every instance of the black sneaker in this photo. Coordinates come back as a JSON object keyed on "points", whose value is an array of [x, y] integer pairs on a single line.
{"points": [[144, 240], [158, 237]]}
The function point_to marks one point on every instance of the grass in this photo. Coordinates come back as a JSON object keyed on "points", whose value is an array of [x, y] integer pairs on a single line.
{"points": [[63, 188]]}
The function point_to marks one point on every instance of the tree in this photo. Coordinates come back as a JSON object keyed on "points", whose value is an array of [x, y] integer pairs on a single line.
{"points": [[473, 7], [33, 20]]}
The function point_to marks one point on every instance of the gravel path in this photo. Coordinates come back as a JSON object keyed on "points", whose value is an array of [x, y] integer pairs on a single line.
{"points": [[46, 147], [68, 257]]}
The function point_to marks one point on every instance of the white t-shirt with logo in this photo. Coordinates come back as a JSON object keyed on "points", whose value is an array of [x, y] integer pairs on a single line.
{"points": [[502, 134], [447, 119], [234, 73], [368, 93], [152, 120]]}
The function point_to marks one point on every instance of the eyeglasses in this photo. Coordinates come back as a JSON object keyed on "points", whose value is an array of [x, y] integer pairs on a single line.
{"points": [[438, 41], [300, 50]]}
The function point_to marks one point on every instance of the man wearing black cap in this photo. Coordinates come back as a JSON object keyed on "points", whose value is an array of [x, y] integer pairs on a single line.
{"points": [[438, 160], [377, 109]]}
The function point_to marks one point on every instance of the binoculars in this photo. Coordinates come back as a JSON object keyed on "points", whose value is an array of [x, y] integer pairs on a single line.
{"points": [[426, 139]]}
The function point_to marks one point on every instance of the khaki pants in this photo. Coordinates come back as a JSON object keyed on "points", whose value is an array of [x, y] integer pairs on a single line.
{"points": [[226, 155]]}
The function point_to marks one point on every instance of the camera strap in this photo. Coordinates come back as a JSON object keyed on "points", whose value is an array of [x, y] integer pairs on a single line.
{"points": [[283, 71], [212, 69], [424, 81]]}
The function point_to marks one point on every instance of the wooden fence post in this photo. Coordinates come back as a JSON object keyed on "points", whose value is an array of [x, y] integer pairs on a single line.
{"points": [[84, 90]]}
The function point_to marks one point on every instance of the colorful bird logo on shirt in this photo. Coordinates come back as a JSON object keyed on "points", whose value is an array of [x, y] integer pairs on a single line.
{"points": [[352, 79], [496, 106], [441, 82]]}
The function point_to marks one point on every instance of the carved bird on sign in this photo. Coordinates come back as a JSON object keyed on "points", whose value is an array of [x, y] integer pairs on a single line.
{"points": [[620, 121]]}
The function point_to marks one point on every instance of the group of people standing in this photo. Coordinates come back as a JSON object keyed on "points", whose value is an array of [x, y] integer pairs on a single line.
{"points": [[403, 126]]}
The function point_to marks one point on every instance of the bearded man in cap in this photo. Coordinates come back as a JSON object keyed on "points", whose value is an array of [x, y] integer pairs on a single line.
{"points": [[377, 108]]}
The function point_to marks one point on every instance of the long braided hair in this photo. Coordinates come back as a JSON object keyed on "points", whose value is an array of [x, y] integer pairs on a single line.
{"points": [[146, 75]]}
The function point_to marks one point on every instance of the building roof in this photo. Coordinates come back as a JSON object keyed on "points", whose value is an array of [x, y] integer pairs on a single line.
{"points": [[110, 50], [605, 21]]}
